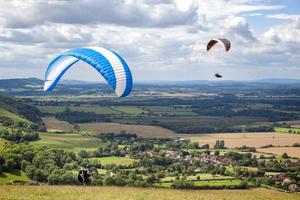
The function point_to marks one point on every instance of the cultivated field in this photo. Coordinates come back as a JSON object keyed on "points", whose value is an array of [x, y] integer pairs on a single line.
{"points": [[105, 110], [53, 125], [205, 177], [116, 193], [233, 140], [141, 130], [74, 142], [291, 151], [129, 109], [115, 160], [287, 130], [217, 183]]}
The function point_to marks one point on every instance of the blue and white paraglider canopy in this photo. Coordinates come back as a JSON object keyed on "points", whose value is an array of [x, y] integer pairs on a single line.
{"points": [[109, 64]]}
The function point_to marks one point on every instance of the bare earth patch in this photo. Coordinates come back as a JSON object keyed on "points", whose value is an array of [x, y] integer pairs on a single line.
{"points": [[53, 124], [233, 140], [140, 130]]}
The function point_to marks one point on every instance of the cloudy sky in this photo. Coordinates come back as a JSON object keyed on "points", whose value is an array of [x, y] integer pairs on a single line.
{"points": [[159, 39]]}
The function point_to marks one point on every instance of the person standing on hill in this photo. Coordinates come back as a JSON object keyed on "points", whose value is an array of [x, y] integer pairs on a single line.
{"points": [[84, 175]]}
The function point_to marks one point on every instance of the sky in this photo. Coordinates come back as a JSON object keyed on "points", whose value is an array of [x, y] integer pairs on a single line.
{"points": [[161, 40]]}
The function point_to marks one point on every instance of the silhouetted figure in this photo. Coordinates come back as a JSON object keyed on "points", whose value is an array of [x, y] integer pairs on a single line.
{"points": [[218, 75], [84, 175]]}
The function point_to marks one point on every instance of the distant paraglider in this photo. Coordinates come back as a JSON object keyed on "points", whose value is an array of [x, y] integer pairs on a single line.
{"points": [[218, 75], [109, 64], [224, 42]]}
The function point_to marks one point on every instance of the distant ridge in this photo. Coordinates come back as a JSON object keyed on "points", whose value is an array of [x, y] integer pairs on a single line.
{"points": [[17, 82], [31, 82]]}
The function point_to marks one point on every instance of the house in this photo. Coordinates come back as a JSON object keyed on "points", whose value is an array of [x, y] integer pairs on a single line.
{"points": [[175, 155], [294, 188], [278, 177], [286, 182]]}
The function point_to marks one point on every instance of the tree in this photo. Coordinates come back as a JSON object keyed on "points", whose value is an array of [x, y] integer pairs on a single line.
{"points": [[183, 185], [285, 156], [61, 176], [109, 181], [2, 161], [83, 154], [151, 179]]}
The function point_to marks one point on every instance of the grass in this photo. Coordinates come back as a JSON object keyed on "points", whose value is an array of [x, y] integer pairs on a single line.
{"points": [[231, 182], [8, 178], [171, 110], [105, 110], [13, 116], [117, 110], [129, 109], [203, 177], [74, 142], [218, 183], [287, 130], [115, 160], [102, 171], [117, 193], [2, 142], [140, 130], [54, 125]]}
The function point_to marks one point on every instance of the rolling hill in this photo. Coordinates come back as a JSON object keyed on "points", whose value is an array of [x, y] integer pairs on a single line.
{"points": [[15, 110]]}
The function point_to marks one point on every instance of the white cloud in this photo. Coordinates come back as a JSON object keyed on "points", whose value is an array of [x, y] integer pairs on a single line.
{"points": [[283, 16], [286, 33], [160, 39], [134, 13], [221, 8]]}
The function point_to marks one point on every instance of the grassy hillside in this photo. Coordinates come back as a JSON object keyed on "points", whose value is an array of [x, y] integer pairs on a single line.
{"points": [[13, 116], [74, 142], [117, 193], [20, 83], [15, 110]]}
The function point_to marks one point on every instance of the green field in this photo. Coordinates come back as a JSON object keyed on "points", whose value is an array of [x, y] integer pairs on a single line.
{"points": [[105, 110], [203, 176], [218, 183], [117, 110], [211, 183], [117, 193], [129, 109], [287, 130], [170, 110], [74, 142], [8, 178], [115, 160], [101, 171], [13, 116]]}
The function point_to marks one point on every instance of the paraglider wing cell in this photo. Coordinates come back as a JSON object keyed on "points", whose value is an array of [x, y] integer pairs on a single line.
{"points": [[109, 64], [224, 42]]}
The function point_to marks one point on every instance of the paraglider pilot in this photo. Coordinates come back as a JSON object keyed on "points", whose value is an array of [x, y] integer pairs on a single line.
{"points": [[84, 175]]}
